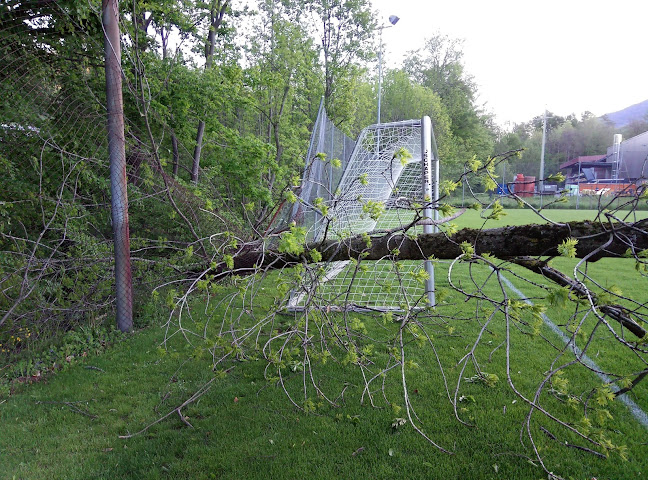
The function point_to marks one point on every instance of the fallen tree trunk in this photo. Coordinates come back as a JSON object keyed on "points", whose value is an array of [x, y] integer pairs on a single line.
{"points": [[595, 240]]}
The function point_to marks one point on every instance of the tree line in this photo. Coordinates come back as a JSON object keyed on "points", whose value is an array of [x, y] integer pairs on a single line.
{"points": [[219, 101], [567, 137]]}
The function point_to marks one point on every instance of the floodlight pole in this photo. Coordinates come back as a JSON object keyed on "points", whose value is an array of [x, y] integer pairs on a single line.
{"points": [[380, 73], [430, 169], [542, 155], [578, 183], [393, 19]]}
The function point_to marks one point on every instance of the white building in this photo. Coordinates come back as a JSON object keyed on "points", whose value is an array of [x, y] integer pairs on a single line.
{"points": [[631, 162]]}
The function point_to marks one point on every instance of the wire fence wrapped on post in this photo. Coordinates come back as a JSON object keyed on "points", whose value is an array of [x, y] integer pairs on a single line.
{"points": [[64, 259], [117, 152]]}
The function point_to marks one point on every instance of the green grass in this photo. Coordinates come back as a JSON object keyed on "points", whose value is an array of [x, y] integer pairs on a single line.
{"points": [[584, 202], [245, 427], [474, 219], [514, 216]]}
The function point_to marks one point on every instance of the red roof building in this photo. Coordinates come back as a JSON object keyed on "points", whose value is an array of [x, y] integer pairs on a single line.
{"points": [[586, 168]]}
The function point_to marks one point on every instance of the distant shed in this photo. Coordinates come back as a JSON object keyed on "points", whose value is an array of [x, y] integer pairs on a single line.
{"points": [[630, 165], [588, 167]]}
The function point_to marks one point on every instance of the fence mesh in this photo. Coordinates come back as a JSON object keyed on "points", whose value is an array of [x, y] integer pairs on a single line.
{"points": [[57, 214], [57, 253]]}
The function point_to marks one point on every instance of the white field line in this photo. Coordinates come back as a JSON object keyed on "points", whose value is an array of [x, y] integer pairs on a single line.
{"points": [[635, 409]]}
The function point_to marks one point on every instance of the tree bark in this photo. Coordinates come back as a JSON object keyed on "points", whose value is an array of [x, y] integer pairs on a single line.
{"points": [[595, 240], [176, 153], [217, 14], [518, 244]]}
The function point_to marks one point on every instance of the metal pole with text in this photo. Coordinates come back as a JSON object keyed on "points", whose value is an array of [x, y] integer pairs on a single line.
{"points": [[429, 162], [542, 156]]}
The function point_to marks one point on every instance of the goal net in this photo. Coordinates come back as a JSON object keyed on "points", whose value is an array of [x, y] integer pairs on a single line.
{"points": [[350, 188]]}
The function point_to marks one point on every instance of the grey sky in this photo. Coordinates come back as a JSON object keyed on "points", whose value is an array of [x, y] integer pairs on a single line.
{"points": [[570, 55]]}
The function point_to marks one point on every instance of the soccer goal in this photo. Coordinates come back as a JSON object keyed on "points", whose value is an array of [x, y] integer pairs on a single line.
{"points": [[350, 188]]}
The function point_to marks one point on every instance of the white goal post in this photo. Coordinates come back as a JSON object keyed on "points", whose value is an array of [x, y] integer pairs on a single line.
{"points": [[430, 177], [372, 187]]}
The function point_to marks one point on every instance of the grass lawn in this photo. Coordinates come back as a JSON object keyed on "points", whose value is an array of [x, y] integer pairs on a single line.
{"points": [[245, 427], [518, 216]]}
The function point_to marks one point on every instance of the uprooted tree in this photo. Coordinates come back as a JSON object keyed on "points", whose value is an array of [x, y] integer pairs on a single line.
{"points": [[228, 276], [480, 263]]}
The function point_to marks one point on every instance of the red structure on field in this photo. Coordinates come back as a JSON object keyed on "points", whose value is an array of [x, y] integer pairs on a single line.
{"points": [[523, 186]]}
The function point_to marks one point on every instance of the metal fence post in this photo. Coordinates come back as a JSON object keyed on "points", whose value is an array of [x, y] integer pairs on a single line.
{"points": [[117, 153]]}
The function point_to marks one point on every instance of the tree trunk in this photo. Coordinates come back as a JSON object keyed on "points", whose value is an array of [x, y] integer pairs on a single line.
{"points": [[176, 154], [595, 240], [118, 182], [517, 244], [216, 18], [195, 166]]}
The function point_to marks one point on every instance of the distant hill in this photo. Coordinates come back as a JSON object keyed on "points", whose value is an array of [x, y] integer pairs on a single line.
{"points": [[629, 114]]}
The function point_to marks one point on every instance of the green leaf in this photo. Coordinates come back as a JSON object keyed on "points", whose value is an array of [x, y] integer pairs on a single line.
{"points": [[467, 249], [558, 296], [403, 155], [568, 247], [293, 242], [290, 196], [556, 177], [497, 212], [474, 164], [316, 256], [446, 210], [604, 395], [373, 209]]}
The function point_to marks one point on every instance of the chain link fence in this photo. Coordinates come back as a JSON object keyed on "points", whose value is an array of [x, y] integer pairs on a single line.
{"points": [[66, 186]]}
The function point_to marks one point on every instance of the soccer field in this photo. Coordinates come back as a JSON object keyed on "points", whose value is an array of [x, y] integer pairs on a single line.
{"points": [[484, 342], [517, 216]]}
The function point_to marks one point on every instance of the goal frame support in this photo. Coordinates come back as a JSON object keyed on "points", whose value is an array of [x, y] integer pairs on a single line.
{"points": [[430, 169]]}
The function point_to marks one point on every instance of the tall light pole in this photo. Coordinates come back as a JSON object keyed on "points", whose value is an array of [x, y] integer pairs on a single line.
{"points": [[542, 155], [393, 20], [542, 152]]}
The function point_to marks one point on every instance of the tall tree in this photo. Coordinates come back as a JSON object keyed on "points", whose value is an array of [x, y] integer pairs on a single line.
{"points": [[283, 75], [216, 10], [634, 128], [439, 66], [404, 99], [566, 138], [345, 29]]}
